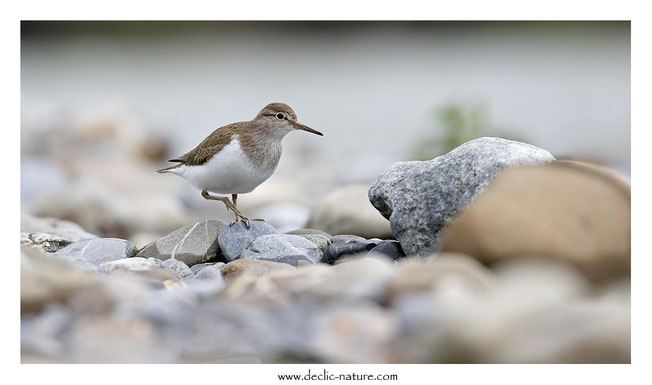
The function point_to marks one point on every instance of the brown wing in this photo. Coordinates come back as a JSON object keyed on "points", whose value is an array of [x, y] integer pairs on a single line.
{"points": [[209, 146]]}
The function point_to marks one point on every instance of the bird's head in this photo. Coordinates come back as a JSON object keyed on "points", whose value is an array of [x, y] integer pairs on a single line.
{"points": [[281, 118]]}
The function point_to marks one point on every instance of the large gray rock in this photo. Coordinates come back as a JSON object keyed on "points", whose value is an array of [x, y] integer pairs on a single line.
{"points": [[285, 248], [421, 198], [233, 239], [192, 244], [98, 250]]}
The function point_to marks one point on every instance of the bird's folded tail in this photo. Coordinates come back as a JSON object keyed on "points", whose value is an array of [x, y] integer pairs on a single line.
{"points": [[167, 169]]}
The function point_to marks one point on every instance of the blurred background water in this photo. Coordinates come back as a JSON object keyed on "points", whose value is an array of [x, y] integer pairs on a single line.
{"points": [[96, 94]]}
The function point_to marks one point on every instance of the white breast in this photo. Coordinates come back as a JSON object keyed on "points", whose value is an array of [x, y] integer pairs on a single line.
{"points": [[227, 172]]}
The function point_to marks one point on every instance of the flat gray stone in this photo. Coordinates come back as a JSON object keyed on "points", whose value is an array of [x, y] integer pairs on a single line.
{"points": [[285, 248], [192, 244], [420, 198], [233, 239], [99, 250]]}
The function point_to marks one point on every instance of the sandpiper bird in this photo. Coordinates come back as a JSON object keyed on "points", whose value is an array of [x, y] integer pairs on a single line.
{"points": [[236, 158]]}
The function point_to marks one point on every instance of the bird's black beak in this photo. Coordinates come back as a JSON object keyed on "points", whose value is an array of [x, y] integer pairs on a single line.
{"points": [[300, 126]]}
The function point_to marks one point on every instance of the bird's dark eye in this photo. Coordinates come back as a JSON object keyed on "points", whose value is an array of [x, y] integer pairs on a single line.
{"points": [[280, 116]]}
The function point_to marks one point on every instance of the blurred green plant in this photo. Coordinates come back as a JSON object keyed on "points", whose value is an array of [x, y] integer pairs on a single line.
{"points": [[455, 124]]}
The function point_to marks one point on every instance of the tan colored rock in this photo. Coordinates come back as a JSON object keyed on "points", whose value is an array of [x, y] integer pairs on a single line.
{"points": [[351, 281], [253, 267], [568, 211], [443, 271], [348, 281], [347, 211], [45, 280], [361, 334], [541, 312]]}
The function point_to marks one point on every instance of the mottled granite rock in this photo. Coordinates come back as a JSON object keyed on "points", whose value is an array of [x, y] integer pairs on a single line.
{"points": [[192, 244], [421, 198]]}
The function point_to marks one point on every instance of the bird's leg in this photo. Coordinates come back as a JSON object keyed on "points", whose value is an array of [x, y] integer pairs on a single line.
{"points": [[234, 197], [229, 206]]}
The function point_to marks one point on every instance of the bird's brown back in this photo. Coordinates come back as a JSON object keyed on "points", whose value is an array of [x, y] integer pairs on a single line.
{"points": [[210, 146], [222, 136]]}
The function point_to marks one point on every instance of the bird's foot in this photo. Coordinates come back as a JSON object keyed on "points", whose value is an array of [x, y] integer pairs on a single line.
{"points": [[257, 219], [239, 218]]}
